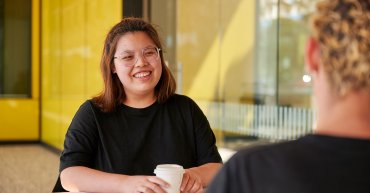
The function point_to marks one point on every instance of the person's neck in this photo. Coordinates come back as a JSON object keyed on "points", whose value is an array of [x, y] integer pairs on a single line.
{"points": [[140, 101], [346, 117]]}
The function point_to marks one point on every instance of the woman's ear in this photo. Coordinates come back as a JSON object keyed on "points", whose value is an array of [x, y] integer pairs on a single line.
{"points": [[114, 71], [312, 55]]}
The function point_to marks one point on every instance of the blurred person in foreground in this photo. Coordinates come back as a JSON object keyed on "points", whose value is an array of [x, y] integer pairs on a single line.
{"points": [[116, 139], [336, 158]]}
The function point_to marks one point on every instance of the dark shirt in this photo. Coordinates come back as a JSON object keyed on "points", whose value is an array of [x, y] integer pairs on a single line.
{"points": [[133, 141], [311, 164]]}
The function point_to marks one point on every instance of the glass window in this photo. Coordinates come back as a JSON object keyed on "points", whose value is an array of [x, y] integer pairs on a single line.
{"points": [[243, 63], [15, 49], [165, 23], [292, 89]]}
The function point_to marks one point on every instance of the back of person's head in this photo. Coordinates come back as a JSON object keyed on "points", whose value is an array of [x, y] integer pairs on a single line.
{"points": [[113, 92], [342, 30]]}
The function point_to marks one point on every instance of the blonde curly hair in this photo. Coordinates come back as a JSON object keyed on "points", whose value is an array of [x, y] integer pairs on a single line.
{"points": [[342, 29]]}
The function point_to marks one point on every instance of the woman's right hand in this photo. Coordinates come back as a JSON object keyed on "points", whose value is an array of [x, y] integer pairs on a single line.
{"points": [[143, 184]]}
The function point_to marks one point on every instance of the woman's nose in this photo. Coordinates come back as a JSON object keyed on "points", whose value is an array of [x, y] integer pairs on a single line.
{"points": [[141, 61]]}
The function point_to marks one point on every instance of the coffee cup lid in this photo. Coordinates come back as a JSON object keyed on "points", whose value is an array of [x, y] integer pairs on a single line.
{"points": [[172, 168]]}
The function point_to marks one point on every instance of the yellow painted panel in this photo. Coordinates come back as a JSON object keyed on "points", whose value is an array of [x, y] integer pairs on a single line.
{"points": [[73, 33], [35, 49], [19, 119], [101, 16], [51, 123], [198, 34], [73, 77], [51, 73], [215, 48], [51, 51], [237, 43], [72, 49]]}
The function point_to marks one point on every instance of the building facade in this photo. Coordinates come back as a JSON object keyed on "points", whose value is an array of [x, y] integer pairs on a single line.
{"points": [[240, 60]]}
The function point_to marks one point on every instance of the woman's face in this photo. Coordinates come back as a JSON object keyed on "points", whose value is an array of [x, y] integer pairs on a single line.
{"points": [[137, 63]]}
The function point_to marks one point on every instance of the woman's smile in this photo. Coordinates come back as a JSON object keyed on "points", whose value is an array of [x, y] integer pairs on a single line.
{"points": [[143, 74]]}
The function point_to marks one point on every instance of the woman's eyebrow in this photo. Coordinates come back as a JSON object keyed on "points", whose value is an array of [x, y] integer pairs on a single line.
{"points": [[132, 51], [126, 52]]}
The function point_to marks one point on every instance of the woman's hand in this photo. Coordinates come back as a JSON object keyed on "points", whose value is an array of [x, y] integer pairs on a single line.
{"points": [[144, 184], [191, 182]]}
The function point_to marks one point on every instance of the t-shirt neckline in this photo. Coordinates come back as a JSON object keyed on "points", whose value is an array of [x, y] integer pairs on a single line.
{"points": [[140, 111]]}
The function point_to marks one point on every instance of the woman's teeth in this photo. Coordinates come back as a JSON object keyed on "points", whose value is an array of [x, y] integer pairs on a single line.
{"points": [[141, 74]]}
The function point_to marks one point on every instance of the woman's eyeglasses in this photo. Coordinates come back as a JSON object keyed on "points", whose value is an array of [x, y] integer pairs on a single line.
{"points": [[129, 58]]}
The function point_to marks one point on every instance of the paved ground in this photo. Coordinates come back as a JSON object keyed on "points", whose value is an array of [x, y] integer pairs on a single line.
{"points": [[28, 168]]}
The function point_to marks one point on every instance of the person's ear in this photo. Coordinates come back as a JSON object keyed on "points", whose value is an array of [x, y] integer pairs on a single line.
{"points": [[312, 55]]}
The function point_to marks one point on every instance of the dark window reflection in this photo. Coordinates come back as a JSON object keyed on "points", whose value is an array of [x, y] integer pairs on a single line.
{"points": [[15, 48]]}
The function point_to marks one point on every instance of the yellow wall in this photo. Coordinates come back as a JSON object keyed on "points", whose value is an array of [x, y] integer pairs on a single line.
{"points": [[215, 48], [19, 118], [215, 51], [73, 33]]}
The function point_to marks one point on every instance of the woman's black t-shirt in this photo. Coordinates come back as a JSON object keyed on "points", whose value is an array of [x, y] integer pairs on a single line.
{"points": [[133, 141]]}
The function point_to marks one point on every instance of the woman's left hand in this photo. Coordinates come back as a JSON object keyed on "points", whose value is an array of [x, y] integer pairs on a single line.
{"points": [[191, 182]]}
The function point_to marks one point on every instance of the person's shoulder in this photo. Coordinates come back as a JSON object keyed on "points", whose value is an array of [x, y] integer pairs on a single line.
{"points": [[180, 99], [277, 149], [85, 111], [89, 105]]}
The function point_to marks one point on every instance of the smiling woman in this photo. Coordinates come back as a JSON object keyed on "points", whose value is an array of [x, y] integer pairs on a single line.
{"points": [[117, 139]]}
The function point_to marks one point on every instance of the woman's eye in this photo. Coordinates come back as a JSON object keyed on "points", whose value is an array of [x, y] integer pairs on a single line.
{"points": [[149, 53], [127, 58]]}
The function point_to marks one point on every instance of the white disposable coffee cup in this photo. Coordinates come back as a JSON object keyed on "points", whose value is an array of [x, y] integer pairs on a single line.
{"points": [[172, 174]]}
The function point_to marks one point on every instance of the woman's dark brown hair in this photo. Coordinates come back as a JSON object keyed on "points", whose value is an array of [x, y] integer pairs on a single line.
{"points": [[113, 93]]}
